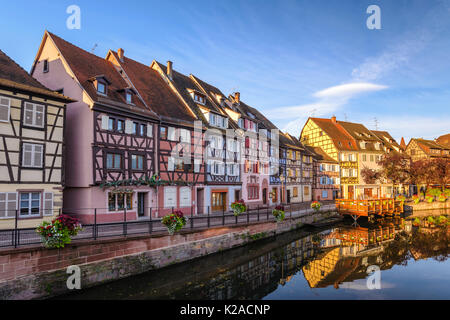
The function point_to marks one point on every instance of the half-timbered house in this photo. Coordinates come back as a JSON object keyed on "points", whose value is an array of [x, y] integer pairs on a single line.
{"points": [[221, 156], [179, 141], [326, 175], [110, 134], [31, 148]]}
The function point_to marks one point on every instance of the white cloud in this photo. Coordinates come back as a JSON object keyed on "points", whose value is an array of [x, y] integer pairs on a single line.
{"points": [[329, 100]]}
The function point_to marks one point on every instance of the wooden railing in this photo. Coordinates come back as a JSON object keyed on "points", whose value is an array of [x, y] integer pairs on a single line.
{"points": [[381, 206]]}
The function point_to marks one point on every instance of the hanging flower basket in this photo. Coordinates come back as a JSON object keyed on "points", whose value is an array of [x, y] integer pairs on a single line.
{"points": [[316, 205], [174, 221], [238, 207], [278, 213], [58, 232]]}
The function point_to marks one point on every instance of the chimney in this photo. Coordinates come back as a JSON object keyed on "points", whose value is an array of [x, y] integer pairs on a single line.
{"points": [[120, 53], [237, 97], [169, 69], [333, 119]]}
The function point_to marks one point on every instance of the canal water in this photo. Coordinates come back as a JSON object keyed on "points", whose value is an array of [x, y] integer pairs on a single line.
{"points": [[399, 258]]}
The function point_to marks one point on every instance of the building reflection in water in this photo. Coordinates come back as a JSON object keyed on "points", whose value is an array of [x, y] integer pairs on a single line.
{"points": [[324, 259]]}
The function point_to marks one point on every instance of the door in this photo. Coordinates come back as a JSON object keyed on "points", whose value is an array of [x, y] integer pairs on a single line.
{"points": [[351, 190], [237, 195], [218, 201], [141, 204], [288, 196], [264, 195], [200, 200], [367, 193]]}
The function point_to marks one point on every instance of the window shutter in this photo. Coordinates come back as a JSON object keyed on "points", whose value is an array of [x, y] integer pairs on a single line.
{"points": [[27, 155], [38, 150], [197, 163], [48, 203], [170, 197], [171, 134], [128, 126], [105, 120], [4, 109], [149, 130], [185, 197], [226, 123]]}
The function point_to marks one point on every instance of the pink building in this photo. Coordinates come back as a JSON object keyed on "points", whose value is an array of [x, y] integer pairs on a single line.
{"points": [[114, 134]]}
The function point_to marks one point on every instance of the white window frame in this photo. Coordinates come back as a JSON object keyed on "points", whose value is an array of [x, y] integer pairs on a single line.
{"points": [[33, 155], [29, 204], [6, 106], [34, 110]]}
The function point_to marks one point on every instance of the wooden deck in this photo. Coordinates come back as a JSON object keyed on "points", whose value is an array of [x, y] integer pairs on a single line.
{"points": [[366, 208]]}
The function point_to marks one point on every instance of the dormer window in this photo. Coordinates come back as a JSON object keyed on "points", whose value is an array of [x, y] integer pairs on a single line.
{"points": [[199, 98], [101, 87], [129, 97]]}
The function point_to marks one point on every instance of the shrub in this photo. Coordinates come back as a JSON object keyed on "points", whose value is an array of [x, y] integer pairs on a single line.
{"points": [[435, 192], [442, 197], [429, 198], [416, 222], [416, 198]]}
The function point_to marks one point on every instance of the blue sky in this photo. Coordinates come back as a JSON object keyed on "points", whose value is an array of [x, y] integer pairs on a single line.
{"points": [[290, 59]]}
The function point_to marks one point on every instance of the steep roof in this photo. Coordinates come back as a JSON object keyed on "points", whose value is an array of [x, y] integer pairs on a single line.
{"points": [[444, 140], [361, 134], [14, 76], [86, 66], [388, 140], [154, 91], [341, 138]]}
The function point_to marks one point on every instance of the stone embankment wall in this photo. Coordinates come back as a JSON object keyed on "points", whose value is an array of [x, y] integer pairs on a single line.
{"points": [[425, 208], [36, 272]]}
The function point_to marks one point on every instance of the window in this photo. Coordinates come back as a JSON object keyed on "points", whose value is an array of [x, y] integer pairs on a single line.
{"points": [[5, 104], [295, 192], [163, 132], [111, 124], [253, 192], [364, 157], [128, 97], [30, 204], [101, 87], [137, 162], [324, 194], [33, 115], [372, 159], [306, 190], [32, 155], [118, 201], [141, 129], [113, 161], [241, 123], [8, 202], [199, 98], [45, 66], [120, 125], [135, 128]]}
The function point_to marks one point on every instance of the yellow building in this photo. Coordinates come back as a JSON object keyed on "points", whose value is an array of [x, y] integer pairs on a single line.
{"points": [[31, 148], [355, 147]]}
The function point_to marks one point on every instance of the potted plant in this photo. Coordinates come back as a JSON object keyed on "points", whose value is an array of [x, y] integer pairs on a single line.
{"points": [[58, 232], [416, 222], [238, 207], [429, 198], [316, 205], [174, 221], [416, 198], [278, 213], [442, 197], [401, 198]]}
